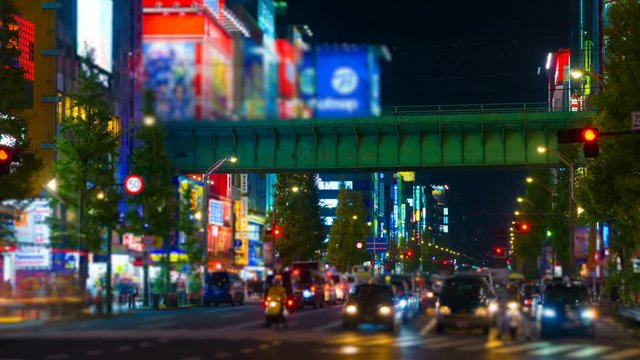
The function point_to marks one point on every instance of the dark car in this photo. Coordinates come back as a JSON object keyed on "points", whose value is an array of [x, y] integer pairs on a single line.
{"points": [[565, 309], [223, 287], [466, 302], [372, 304], [308, 288]]}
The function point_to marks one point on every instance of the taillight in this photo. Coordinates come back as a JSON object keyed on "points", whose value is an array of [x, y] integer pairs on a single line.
{"points": [[290, 302], [313, 289], [527, 301], [266, 303]]}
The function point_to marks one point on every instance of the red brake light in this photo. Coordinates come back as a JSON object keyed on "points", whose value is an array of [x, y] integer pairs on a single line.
{"points": [[313, 289], [527, 301], [290, 302]]}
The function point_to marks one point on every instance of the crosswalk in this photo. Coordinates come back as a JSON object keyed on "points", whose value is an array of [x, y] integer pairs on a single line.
{"points": [[331, 335]]}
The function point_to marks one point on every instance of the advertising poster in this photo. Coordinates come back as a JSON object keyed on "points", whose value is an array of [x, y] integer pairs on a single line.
{"points": [[170, 72], [375, 106], [30, 225], [253, 88], [343, 83], [32, 257], [581, 236], [267, 22]]}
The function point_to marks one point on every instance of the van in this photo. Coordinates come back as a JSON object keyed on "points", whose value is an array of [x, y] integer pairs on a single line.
{"points": [[362, 273], [223, 287]]}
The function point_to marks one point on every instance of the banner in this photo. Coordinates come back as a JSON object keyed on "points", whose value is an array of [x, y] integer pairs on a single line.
{"points": [[581, 243], [28, 257]]}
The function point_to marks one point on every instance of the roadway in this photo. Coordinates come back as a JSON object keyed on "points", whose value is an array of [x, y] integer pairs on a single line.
{"points": [[237, 333]]}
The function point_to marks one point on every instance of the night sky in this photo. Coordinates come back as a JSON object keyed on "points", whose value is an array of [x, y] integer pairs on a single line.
{"points": [[454, 52]]}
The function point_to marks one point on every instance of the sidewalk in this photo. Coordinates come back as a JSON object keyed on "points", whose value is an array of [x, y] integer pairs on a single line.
{"points": [[626, 318]]}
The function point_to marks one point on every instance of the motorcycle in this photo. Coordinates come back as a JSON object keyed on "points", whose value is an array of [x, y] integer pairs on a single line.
{"points": [[512, 319], [275, 312]]}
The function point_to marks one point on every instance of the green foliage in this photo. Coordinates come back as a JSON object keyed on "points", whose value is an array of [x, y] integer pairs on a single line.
{"points": [[153, 210], [349, 227], [20, 183], [188, 225], [298, 213], [88, 151], [610, 191]]}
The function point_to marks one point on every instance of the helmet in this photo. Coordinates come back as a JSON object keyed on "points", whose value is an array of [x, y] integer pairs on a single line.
{"points": [[277, 280]]}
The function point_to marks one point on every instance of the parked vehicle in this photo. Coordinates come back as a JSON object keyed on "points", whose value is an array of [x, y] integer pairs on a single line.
{"points": [[223, 287]]}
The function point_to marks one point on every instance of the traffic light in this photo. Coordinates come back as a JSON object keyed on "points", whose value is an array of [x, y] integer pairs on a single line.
{"points": [[522, 227], [359, 245], [276, 231], [6, 156], [587, 136], [498, 251]]}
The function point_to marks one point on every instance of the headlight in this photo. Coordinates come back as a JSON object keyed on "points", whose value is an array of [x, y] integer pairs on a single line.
{"points": [[385, 310], [512, 305], [444, 310], [402, 303], [429, 294], [547, 312], [482, 311], [351, 309], [493, 307], [589, 314], [307, 294], [273, 304]]}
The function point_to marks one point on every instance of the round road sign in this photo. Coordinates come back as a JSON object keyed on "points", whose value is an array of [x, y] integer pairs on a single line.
{"points": [[133, 184]]}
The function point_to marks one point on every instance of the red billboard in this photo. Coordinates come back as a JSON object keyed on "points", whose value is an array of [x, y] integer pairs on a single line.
{"points": [[287, 68]]}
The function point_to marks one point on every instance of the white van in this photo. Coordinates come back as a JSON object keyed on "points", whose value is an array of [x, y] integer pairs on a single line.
{"points": [[363, 273]]}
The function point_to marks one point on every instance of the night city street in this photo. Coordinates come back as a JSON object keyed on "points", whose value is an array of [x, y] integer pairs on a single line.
{"points": [[319, 179], [226, 332]]}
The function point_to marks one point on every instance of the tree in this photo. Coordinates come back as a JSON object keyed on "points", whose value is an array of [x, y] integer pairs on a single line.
{"points": [[88, 150], [153, 211], [188, 226], [610, 190], [27, 163], [349, 227], [298, 213]]}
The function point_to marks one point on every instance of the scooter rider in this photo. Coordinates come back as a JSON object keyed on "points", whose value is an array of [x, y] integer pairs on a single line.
{"points": [[277, 291], [511, 319]]}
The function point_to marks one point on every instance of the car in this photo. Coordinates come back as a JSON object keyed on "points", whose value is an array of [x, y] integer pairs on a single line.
{"points": [[372, 304], [466, 302], [408, 297], [566, 308], [308, 288], [223, 287]]}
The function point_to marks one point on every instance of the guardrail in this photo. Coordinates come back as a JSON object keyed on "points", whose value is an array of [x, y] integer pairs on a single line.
{"points": [[461, 109]]}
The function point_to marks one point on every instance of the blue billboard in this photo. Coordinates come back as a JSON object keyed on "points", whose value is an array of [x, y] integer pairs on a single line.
{"points": [[344, 81]]}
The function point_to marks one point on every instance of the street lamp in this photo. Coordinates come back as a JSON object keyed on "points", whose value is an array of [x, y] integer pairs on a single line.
{"points": [[578, 73], [530, 180], [295, 189], [516, 213], [205, 213], [572, 214], [355, 217]]}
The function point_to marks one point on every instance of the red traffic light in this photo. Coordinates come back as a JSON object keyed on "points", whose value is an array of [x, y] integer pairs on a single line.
{"points": [[409, 253], [277, 231], [498, 251], [359, 245], [5, 155], [524, 227], [590, 135]]}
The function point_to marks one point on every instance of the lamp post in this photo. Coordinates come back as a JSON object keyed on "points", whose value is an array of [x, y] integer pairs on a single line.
{"points": [[572, 214], [530, 180], [205, 214]]}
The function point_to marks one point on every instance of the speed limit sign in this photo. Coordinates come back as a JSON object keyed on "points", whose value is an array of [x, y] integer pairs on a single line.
{"points": [[133, 184]]}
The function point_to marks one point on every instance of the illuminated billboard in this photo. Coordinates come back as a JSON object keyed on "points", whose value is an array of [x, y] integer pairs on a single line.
{"points": [[344, 83], [96, 32], [170, 73], [253, 104]]}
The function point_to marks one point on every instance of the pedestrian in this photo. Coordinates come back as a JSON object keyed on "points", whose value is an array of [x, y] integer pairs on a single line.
{"points": [[132, 298], [615, 295]]}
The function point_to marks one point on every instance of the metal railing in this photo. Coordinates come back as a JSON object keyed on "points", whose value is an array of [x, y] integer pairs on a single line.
{"points": [[462, 109]]}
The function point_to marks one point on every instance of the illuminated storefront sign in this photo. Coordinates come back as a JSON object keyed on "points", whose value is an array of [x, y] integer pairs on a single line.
{"points": [[31, 224], [33, 257]]}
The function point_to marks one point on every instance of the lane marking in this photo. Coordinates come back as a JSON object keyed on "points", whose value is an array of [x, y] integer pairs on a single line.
{"points": [[491, 344], [223, 309], [123, 348], [144, 344], [264, 346], [516, 348], [247, 351], [589, 351], [427, 328], [624, 354], [94, 352], [229, 316], [328, 326], [554, 349], [222, 355], [454, 343]]}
